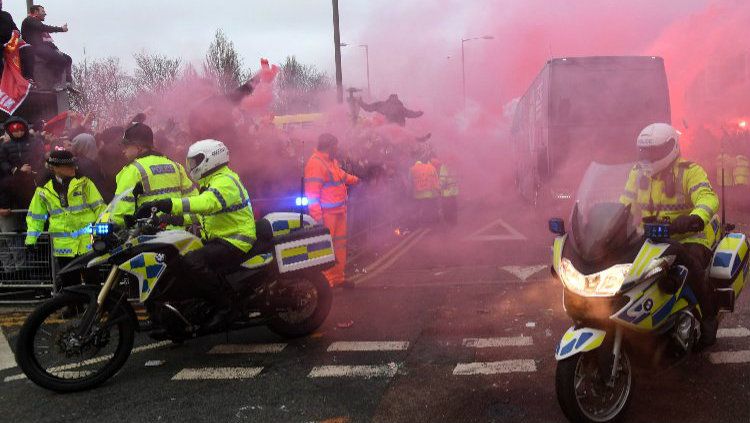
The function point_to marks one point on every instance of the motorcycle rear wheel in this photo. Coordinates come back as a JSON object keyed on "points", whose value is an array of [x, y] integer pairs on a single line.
{"points": [[313, 297], [90, 364], [583, 394]]}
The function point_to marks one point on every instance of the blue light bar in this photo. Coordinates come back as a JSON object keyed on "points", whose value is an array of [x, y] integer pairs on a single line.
{"points": [[100, 229], [656, 231], [301, 201]]}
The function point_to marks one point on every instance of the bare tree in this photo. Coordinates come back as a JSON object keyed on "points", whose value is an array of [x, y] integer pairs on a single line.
{"points": [[224, 63], [155, 72], [105, 89], [299, 86]]}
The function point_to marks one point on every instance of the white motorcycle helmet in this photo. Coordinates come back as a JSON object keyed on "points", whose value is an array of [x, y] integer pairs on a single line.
{"points": [[205, 156], [658, 147]]}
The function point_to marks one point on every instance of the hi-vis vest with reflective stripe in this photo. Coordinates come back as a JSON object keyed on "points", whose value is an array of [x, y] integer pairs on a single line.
{"points": [[448, 182], [160, 178], [224, 208], [741, 170], [692, 195], [325, 185], [424, 180], [727, 162], [68, 226]]}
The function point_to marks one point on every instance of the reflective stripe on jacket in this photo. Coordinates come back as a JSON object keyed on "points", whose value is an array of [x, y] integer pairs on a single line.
{"points": [[69, 225], [692, 195], [448, 182], [325, 185], [741, 170], [160, 178], [224, 208], [424, 180]]}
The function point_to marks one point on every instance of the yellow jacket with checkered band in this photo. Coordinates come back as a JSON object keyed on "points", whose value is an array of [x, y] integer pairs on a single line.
{"points": [[223, 206], [160, 178], [69, 219], [679, 190]]}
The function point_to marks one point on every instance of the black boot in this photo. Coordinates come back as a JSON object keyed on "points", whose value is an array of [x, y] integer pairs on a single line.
{"points": [[709, 327]]}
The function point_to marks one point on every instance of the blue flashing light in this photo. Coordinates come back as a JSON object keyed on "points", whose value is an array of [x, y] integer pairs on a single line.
{"points": [[301, 201], [100, 229]]}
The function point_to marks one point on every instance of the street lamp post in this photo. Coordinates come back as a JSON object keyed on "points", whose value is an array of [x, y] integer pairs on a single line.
{"points": [[463, 61], [337, 47], [367, 61]]}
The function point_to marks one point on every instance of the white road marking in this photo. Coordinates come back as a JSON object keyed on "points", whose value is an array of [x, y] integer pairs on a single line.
{"points": [[92, 360], [247, 348], [525, 272], [495, 367], [511, 235], [369, 346], [515, 341], [7, 360], [366, 371], [218, 373], [739, 332], [730, 357]]}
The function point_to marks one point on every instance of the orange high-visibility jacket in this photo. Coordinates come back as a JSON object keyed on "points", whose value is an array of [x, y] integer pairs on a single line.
{"points": [[424, 180], [325, 185]]}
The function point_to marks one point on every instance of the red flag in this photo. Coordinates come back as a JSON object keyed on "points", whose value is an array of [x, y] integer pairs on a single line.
{"points": [[13, 87]]}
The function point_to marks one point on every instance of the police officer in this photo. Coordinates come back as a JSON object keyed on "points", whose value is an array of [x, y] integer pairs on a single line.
{"points": [[226, 215], [158, 176], [663, 186], [72, 203]]}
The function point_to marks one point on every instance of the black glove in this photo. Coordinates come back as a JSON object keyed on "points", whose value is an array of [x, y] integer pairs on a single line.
{"points": [[164, 206], [686, 224]]}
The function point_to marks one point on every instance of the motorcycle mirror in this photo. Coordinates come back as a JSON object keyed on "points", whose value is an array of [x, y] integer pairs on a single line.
{"points": [[557, 226]]}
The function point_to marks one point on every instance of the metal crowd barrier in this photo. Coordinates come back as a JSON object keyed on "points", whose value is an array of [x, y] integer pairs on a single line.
{"points": [[21, 267]]}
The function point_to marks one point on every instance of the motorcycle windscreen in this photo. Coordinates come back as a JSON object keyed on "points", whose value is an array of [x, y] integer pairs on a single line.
{"points": [[601, 221], [106, 215]]}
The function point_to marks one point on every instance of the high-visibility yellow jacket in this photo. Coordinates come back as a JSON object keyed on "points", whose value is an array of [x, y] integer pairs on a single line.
{"points": [[424, 180], [69, 218], [726, 162], [223, 207], [691, 193], [741, 171], [160, 177], [448, 182]]}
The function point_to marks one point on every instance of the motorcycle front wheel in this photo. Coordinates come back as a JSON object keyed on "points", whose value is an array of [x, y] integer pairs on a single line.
{"points": [[588, 396], [303, 301], [53, 355]]}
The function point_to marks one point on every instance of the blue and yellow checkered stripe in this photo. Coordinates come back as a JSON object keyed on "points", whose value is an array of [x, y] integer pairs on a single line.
{"points": [[283, 227], [147, 269], [306, 252]]}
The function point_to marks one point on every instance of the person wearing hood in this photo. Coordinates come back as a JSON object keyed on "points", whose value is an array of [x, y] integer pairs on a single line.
{"points": [[71, 203], [21, 162], [84, 148]]}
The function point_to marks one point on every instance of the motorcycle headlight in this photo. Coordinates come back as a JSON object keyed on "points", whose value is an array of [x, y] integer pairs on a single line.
{"points": [[603, 284]]}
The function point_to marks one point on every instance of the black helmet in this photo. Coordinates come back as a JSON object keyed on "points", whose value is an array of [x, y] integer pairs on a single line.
{"points": [[61, 158], [139, 134], [327, 141]]}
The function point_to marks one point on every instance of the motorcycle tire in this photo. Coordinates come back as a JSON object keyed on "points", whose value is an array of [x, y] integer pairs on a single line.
{"points": [[324, 298], [26, 354], [566, 382]]}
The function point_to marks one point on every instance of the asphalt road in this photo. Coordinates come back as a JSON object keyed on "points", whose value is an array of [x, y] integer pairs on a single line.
{"points": [[444, 326]]}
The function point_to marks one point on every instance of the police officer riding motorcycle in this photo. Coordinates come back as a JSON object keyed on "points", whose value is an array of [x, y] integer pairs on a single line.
{"points": [[227, 220], [665, 187]]}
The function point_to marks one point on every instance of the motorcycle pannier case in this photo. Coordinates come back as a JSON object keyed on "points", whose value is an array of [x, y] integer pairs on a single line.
{"points": [[729, 267], [304, 248]]}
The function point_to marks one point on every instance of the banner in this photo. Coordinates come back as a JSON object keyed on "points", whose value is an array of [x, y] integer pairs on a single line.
{"points": [[13, 87]]}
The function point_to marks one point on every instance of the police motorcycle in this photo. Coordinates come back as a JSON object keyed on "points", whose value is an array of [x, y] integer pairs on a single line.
{"points": [[627, 295], [84, 334]]}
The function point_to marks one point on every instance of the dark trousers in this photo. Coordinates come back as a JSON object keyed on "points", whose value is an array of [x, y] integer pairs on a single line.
{"points": [[450, 210], [201, 267], [55, 59], [426, 212], [697, 261], [89, 276]]}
